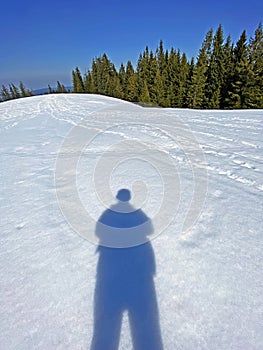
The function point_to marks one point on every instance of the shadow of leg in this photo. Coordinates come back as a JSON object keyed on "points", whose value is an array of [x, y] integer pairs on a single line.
{"points": [[107, 326], [144, 319]]}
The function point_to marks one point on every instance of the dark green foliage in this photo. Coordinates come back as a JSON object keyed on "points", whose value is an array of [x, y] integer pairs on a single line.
{"points": [[216, 71], [24, 92], [255, 99], [197, 95], [228, 66], [224, 75], [143, 77], [238, 89], [5, 94], [88, 83], [78, 85], [162, 77], [103, 78], [13, 92], [130, 84], [60, 88]]}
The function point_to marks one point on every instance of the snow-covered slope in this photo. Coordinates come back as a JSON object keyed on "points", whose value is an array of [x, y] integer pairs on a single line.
{"points": [[196, 174]]}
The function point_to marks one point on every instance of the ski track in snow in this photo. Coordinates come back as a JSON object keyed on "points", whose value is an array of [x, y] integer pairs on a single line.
{"points": [[209, 279]]}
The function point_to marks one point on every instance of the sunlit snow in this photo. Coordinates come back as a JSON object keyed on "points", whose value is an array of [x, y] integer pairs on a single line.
{"points": [[208, 278]]}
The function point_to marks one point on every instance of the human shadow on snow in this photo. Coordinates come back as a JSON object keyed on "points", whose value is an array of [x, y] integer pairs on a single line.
{"points": [[125, 283]]}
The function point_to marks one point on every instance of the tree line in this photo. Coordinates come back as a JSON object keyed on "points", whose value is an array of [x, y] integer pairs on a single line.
{"points": [[12, 91], [225, 75]]}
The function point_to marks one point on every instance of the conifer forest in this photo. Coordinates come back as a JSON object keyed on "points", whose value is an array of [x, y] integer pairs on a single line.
{"points": [[224, 75]]}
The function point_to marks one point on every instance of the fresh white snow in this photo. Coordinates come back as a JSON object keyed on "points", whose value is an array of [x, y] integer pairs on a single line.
{"points": [[208, 241]]}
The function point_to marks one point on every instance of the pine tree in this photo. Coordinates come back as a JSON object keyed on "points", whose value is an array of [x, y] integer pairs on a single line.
{"points": [[166, 81], [95, 76], [216, 70], [162, 79], [159, 88], [115, 88], [197, 97], [182, 87], [88, 83], [130, 83], [255, 98], [228, 66], [122, 75], [238, 94], [78, 85], [144, 94], [173, 74], [151, 78], [74, 82], [189, 84], [14, 91], [104, 78], [23, 91], [143, 76], [5, 93], [60, 88]]}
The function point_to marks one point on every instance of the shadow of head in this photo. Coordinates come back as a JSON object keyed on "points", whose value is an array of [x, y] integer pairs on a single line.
{"points": [[124, 195]]}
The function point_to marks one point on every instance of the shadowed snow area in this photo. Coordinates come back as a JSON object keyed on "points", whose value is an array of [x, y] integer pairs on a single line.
{"points": [[196, 284]]}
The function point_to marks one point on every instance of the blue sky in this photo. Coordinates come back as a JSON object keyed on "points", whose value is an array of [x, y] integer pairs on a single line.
{"points": [[42, 41]]}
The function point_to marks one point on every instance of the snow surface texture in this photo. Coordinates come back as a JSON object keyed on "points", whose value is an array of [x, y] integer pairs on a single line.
{"points": [[208, 278]]}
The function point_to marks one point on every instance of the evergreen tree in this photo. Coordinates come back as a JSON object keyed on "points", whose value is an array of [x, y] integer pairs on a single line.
{"points": [[88, 83], [173, 73], [216, 70], [23, 91], [255, 97], [228, 66], [122, 75], [162, 79], [5, 93], [144, 94], [238, 94], [115, 88], [189, 84], [60, 88], [104, 77], [143, 76], [95, 76], [197, 97], [165, 79], [78, 85], [159, 89], [14, 91], [182, 86], [151, 78], [130, 83]]}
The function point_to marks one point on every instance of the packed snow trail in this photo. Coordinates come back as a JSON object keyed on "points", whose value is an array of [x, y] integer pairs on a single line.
{"points": [[208, 279]]}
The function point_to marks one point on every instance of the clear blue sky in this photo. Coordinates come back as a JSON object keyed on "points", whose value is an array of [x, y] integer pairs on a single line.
{"points": [[43, 40]]}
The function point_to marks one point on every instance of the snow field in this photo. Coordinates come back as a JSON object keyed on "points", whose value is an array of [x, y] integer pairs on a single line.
{"points": [[208, 280]]}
